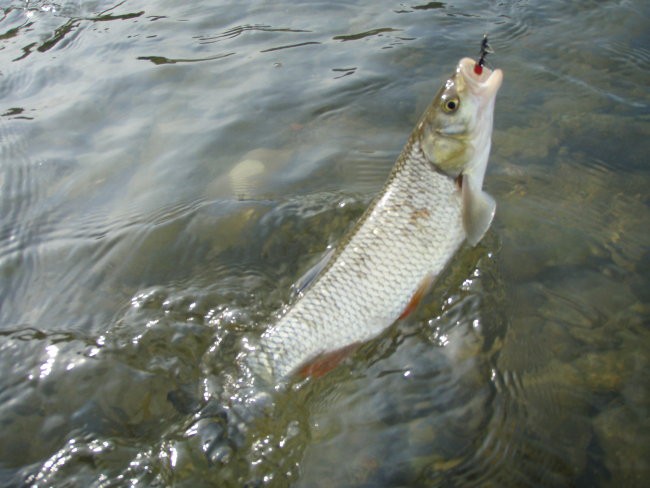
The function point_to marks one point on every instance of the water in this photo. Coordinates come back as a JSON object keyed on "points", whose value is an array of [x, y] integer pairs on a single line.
{"points": [[137, 254]]}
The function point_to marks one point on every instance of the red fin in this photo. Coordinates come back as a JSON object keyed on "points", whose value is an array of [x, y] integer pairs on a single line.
{"points": [[417, 297], [326, 362]]}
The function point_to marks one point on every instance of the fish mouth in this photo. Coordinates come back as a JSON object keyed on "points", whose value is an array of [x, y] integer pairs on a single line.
{"points": [[485, 84]]}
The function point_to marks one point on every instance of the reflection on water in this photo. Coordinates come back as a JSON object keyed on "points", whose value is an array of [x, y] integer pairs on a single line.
{"points": [[168, 171]]}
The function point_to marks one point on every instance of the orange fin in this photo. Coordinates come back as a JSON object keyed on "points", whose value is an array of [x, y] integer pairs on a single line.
{"points": [[422, 290], [326, 362]]}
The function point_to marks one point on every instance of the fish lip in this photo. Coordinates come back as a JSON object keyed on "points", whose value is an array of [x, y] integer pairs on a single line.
{"points": [[485, 84]]}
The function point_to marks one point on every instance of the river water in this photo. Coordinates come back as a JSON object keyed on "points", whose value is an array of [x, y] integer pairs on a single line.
{"points": [[169, 169]]}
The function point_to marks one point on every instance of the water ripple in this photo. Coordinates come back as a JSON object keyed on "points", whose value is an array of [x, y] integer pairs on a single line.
{"points": [[288, 46], [163, 60], [362, 35], [234, 32]]}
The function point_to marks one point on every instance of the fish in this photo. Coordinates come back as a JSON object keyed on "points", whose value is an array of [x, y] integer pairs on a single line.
{"points": [[432, 202]]}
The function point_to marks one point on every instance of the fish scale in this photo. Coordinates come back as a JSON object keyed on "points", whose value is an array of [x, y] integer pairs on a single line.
{"points": [[409, 233], [431, 202]]}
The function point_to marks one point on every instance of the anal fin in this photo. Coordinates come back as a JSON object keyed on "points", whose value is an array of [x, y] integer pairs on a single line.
{"points": [[326, 362]]}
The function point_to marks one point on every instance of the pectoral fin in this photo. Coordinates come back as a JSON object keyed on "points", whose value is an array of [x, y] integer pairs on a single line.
{"points": [[478, 210]]}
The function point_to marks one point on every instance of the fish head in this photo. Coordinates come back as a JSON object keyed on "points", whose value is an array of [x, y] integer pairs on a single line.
{"points": [[455, 131]]}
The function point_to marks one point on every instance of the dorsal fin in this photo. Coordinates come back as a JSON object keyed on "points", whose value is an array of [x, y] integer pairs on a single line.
{"points": [[306, 280]]}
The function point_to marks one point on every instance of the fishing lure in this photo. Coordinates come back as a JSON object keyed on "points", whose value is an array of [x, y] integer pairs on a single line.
{"points": [[485, 50]]}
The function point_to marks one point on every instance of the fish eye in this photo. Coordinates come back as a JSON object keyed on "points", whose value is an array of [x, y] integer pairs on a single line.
{"points": [[450, 105]]}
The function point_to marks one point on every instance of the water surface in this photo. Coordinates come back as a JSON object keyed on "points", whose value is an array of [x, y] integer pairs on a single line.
{"points": [[169, 169]]}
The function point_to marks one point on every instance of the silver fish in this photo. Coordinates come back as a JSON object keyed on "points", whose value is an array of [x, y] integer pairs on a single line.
{"points": [[432, 202]]}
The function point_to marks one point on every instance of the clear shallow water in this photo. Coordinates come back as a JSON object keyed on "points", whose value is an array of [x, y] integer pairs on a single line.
{"points": [[136, 253]]}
